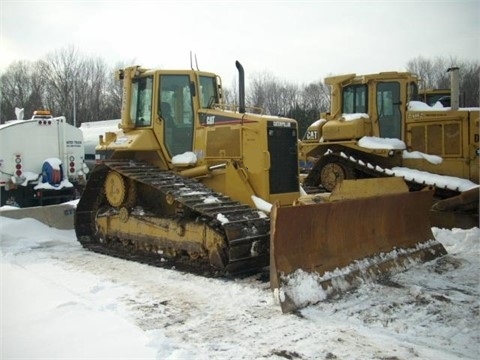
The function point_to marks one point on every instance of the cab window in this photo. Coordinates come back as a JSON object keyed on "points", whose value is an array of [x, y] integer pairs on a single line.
{"points": [[354, 99], [207, 92], [141, 108], [413, 91]]}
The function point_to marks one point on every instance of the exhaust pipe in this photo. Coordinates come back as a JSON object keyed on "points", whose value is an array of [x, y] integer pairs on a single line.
{"points": [[454, 88], [241, 87]]}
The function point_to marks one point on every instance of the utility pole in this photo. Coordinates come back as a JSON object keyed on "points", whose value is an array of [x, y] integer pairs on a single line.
{"points": [[74, 104]]}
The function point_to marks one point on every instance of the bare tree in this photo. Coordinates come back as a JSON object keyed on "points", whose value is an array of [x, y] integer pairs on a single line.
{"points": [[274, 96], [316, 97], [17, 90], [434, 75], [70, 84], [113, 97], [230, 94], [280, 97], [470, 83], [424, 69], [256, 95], [83, 89], [90, 86], [113, 92], [59, 71], [65, 82]]}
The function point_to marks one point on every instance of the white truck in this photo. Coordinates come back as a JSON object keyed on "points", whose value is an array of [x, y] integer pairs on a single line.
{"points": [[91, 131], [41, 161]]}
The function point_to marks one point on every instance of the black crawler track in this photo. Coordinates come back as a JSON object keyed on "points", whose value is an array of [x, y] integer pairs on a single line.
{"points": [[363, 171], [245, 231]]}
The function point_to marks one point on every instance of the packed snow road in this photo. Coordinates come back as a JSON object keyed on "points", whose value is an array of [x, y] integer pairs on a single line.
{"points": [[60, 301]]}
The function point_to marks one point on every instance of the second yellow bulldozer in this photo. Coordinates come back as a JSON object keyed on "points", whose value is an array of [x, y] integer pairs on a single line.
{"points": [[191, 182], [377, 127]]}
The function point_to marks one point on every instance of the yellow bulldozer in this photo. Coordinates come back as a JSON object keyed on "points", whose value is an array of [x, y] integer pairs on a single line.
{"points": [[376, 127], [432, 96], [193, 183]]}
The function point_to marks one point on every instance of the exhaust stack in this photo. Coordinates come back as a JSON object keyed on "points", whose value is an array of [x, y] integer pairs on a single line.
{"points": [[454, 88], [241, 87]]}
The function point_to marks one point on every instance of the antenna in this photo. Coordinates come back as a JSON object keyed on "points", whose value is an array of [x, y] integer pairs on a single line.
{"points": [[196, 62], [191, 64]]}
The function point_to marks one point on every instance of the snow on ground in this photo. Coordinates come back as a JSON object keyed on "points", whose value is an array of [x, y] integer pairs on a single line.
{"points": [[59, 301]]}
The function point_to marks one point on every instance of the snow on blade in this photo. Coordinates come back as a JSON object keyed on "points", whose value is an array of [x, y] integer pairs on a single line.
{"points": [[304, 288]]}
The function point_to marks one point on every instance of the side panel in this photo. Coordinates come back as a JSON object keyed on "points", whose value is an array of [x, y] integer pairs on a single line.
{"points": [[283, 149], [450, 135]]}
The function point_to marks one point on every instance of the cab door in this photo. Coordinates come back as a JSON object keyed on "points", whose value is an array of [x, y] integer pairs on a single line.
{"points": [[176, 109], [389, 110]]}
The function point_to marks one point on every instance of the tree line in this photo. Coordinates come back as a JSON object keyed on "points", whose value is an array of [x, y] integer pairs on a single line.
{"points": [[66, 83], [84, 88]]}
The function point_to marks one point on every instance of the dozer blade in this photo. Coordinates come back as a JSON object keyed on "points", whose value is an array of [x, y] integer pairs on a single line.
{"points": [[460, 211], [317, 251]]}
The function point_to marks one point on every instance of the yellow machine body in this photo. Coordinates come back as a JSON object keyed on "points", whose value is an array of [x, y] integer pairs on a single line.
{"points": [[189, 181], [386, 106]]}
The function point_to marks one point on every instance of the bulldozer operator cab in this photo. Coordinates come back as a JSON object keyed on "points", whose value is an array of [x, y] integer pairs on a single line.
{"points": [[384, 100], [176, 107]]}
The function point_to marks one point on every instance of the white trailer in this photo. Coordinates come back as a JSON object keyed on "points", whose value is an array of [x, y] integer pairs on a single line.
{"points": [[91, 132], [41, 161]]}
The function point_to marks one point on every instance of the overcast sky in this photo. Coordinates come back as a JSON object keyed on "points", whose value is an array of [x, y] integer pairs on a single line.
{"points": [[297, 41]]}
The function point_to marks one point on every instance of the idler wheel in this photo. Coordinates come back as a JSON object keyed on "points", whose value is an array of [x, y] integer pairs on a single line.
{"points": [[115, 189]]}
